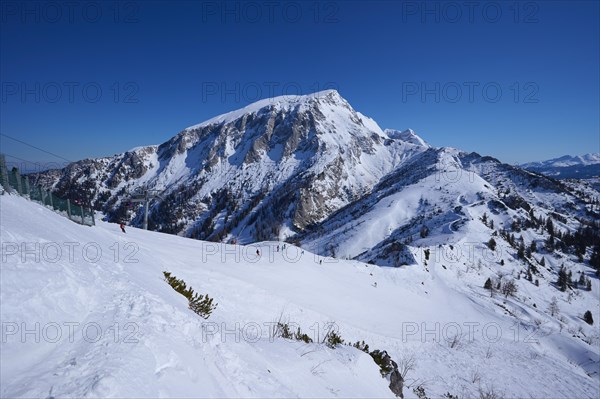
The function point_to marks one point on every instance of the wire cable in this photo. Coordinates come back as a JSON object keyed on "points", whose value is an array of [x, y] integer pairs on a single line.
{"points": [[32, 146]]}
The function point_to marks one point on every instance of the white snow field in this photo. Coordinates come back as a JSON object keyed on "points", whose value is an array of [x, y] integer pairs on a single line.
{"points": [[86, 312]]}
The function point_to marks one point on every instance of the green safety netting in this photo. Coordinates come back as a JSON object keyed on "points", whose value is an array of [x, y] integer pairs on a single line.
{"points": [[11, 180]]}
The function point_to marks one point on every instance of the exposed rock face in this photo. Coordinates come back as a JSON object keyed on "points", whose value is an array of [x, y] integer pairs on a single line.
{"points": [[266, 171], [396, 383]]}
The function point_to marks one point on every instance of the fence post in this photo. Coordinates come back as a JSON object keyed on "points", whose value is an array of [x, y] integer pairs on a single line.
{"points": [[82, 216], [18, 180], [26, 180], [50, 196], [4, 174], [93, 218], [69, 208]]}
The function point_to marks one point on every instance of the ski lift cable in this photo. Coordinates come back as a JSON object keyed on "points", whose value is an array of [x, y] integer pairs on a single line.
{"points": [[33, 146]]}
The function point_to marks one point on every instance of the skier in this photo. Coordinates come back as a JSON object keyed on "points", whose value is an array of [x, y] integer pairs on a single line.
{"points": [[257, 252], [122, 226]]}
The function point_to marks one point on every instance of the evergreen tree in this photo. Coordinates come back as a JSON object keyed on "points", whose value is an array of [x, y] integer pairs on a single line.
{"points": [[550, 226], [589, 284], [595, 258], [492, 244], [488, 284], [562, 279], [521, 251], [550, 243], [587, 317]]}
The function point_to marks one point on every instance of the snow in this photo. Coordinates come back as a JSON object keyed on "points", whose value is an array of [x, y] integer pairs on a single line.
{"points": [[152, 345], [566, 160], [280, 102]]}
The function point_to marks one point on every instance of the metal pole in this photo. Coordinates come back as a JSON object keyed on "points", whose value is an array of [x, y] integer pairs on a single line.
{"points": [[82, 217], [93, 218], [69, 208], [146, 211], [26, 179], [18, 179], [50, 196], [4, 173]]}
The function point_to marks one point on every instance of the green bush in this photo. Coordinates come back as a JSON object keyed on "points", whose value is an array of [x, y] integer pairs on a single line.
{"points": [[332, 339], [361, 346], [200, 304], [283, 330]]}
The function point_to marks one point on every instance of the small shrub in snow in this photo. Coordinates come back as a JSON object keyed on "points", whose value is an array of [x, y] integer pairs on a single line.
{"points": [[283, 329], [361, 346], [553, 307], [488, 284], [489, 393], [420, 392], [455, 341], [200, 304], [509, 288], [587, 317], [332, 339]]}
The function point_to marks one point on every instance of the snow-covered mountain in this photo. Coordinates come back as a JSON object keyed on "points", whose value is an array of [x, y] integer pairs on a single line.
{"points": [[565, 167], [312, 170], [566, 160], [265, 171]]}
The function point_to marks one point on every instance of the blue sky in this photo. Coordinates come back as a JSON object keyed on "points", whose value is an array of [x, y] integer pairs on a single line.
{"points": [[515, 80]]}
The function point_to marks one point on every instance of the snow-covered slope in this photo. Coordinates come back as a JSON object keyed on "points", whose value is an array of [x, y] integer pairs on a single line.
{"points": [[133, 336], [442, 193]]}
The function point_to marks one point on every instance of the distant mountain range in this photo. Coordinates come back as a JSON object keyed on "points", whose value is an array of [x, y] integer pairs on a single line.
{"points": [[567, 166]]}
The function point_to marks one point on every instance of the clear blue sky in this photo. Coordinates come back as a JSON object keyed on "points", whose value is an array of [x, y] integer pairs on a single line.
{"points": [[161, 67]]}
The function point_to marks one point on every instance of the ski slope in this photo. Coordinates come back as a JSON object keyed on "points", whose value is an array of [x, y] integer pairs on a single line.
{"points": [[100, 321]]}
